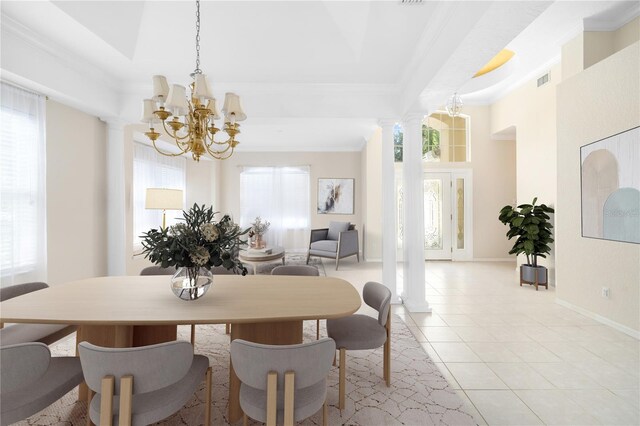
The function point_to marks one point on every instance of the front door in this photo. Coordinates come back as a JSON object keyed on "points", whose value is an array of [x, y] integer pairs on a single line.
{"points": [[437, 216]]}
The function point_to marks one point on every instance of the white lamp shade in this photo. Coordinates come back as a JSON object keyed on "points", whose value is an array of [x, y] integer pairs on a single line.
{"points": [[211, 106], [232, 106], [160, 88], [149, 106], [163, 199], [177, 100], [201, 88]]}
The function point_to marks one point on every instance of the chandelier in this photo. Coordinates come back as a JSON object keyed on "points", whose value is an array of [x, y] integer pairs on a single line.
{"points": [[192, 126], [454, 105]]}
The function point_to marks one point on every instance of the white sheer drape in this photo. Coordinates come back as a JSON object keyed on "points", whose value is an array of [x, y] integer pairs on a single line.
{"points": [[153, 170], [279, 195], [23, 229]]}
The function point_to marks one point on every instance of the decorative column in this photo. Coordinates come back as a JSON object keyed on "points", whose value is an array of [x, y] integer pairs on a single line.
{"points": [[389, 238], [413, 192], [116, 194]]}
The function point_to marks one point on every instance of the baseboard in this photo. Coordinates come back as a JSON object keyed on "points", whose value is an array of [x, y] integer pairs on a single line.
{"points": [[491, 259], [604, 320], [375, 259]]}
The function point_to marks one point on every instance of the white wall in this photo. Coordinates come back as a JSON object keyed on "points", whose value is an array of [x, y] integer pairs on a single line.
{"points": [[322, 165], [372, 200], [76, 194], [609, 102]]}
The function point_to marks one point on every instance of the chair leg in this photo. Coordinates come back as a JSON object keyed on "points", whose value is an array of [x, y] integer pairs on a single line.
{"points": [[207, 410], [387, 352], [245, 421], [89, 398], [317, 329], [324, 414], [106, 400], [308, 256], [343, 362], [358, 257], [193, 334], [126, 400], [337, 262]]}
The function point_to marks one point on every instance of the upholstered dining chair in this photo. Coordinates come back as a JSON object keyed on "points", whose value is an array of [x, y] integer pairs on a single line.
{"points": [[358, 332], [31, 379], [300, 270], [282, 383], [142, 385], [22, 333], [338, 241]]}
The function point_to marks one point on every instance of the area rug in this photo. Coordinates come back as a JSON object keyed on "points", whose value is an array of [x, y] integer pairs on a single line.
{"points": [[289, 259], [419, 394]]}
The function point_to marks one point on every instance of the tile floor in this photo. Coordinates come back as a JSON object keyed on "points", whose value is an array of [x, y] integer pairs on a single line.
{"points": [[513, 354]]}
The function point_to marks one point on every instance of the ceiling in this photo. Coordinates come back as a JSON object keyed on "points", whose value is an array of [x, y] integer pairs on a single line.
{"points": [[313, 75]]}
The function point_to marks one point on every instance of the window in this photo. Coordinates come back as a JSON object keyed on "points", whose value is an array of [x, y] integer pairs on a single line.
{"points": [[153, 170], [444, 139], [279, 195], [23, 242]]}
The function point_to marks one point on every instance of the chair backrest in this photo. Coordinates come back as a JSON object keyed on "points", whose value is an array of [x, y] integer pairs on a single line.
{"points": [[221, 270], [311, 362], [153, 367], [158, 270], [22, 364], [335, 228], [300, 270], [378, 297], [12, 291]]}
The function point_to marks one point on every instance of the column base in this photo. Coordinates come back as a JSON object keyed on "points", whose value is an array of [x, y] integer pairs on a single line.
{"points": [[417, 306]]}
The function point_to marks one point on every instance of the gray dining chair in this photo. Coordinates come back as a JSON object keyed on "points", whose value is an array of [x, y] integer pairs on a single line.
{"points": [[13, 334], [282, 383], [300, 270], [358, 332], [31, 380], [158, 270], [142, 385]]}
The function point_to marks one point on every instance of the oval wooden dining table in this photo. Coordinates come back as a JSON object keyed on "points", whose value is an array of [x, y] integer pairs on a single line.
{"points": [[130, 311]]}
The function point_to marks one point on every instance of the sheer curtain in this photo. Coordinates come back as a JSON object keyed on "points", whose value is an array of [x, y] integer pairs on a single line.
{"points": [[279, 195], [23, 220], [153, 170]]}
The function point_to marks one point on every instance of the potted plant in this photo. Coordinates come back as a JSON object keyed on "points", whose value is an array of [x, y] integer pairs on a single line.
{"points": [[530, 224], [193, 248]]}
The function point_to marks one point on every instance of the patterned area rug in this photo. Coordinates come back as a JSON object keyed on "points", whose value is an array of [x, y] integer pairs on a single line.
{"points": [[419, 394]]}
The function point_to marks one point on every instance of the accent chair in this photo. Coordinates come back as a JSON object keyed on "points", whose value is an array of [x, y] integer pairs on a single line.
{"points": [[338, 241]]}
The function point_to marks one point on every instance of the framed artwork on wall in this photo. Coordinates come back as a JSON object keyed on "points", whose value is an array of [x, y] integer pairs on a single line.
{"points": [[610, 187], [336, 196]]}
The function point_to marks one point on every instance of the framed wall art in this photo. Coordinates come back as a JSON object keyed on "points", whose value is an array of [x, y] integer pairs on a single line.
{"points": [[336, 196], [610, 186]]}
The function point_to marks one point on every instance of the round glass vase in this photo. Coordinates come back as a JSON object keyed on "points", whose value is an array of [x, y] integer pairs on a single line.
{"points": [[191, 283]]}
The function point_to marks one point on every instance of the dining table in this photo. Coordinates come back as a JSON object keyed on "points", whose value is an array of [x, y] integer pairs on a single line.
{"points": [[127, 311]]}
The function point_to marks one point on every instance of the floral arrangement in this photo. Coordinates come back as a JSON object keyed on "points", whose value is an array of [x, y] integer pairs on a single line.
{"points": [[259, 227], [199, 242]]}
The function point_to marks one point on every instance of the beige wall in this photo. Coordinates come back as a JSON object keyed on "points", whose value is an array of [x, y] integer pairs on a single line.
{"points": [[609, 94], [76, 194], [372, 196], [626, 35], [322, 165], [532, 111]]}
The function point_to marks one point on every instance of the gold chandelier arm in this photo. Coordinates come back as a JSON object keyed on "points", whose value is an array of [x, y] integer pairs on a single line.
{"points": [[169, 154], [174, 133], [218, 155]]}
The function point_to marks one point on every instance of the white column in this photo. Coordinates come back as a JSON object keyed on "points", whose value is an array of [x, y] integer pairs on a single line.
{"points": [[388, 210], [116, 244], [413, 193]]}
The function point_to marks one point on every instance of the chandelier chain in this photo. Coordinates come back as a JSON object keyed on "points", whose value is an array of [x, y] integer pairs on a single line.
{"points": [[197, 70]]}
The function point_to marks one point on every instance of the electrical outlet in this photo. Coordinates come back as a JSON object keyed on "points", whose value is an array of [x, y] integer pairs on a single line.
{"points": [[605, 292]]}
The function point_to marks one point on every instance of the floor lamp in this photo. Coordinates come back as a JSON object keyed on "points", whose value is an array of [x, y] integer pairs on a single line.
{"points": [[164, 199]]}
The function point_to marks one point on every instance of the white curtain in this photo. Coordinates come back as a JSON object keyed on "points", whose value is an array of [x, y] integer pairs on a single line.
{"points": [[23, 226], [279, 195], [153, 170]]}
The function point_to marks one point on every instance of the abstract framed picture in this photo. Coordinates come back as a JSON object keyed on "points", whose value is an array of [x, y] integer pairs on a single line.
{"points": [[335, 196], [610, 186]]}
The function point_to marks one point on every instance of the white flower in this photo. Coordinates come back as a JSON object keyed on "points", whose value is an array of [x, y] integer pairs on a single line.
{"points": [[199, 256], [210, 231]]}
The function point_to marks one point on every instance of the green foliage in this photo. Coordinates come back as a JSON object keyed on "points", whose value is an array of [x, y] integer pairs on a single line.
{"points": [[529, 223], [198, 242], [430, 142]]}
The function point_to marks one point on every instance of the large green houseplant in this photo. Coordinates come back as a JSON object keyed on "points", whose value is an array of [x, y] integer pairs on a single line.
{"points": [[530, 225]]}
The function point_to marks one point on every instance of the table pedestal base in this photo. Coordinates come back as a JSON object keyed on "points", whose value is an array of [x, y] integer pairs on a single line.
{"points": [[270, 333]]}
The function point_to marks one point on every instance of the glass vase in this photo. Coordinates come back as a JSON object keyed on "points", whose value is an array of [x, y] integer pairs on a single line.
{"points": [[191, 283]]}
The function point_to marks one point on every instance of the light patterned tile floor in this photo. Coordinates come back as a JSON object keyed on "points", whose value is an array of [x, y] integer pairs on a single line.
{"points": [[515, 355]]}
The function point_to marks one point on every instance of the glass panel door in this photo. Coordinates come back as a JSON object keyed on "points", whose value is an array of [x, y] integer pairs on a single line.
{"points": [[437, 215]]}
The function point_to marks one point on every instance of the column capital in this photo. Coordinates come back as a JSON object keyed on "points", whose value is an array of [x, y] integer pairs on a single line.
{"points": [[387, 122]]}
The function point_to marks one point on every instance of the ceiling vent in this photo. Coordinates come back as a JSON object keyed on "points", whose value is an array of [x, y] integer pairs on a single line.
{"points": [[543, 80], [411, 1]]}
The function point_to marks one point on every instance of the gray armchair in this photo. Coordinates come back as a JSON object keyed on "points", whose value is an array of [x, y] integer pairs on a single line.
{"points": [[23, 333], [338, 241], [31, 380]]}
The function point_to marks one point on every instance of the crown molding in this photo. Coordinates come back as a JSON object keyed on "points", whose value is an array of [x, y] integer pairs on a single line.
{"points": [[624, 17]]}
